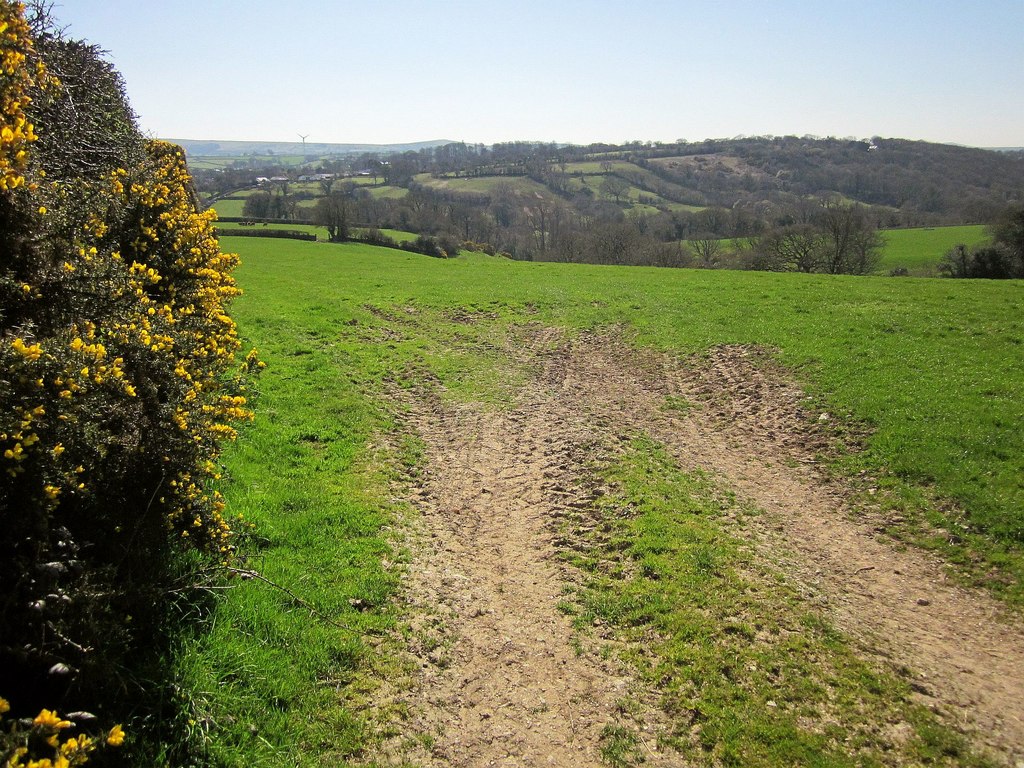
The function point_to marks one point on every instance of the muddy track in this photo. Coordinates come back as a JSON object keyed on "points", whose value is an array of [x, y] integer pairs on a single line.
{"points": [[965, 656], [500, 680]]}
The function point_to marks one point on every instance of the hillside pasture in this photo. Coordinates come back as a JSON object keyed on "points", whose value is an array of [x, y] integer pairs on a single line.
{"points": [[398, 235], [218, 161], [486, 185], [920, 250], [227, 228], [631, 194], [641, 180], [386, 192], [230, 206], [586, 167], [922, 373]]}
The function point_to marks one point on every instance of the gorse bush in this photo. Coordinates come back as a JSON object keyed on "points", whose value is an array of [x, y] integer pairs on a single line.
{"points": [[23, 744], [118, 375]]}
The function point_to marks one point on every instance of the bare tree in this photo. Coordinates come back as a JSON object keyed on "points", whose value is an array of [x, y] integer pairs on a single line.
{"points": [[852, 246], [613, 186], [708, 250], [334, 212], [797, 248]]}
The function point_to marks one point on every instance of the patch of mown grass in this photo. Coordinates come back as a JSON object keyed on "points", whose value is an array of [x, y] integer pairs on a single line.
{"points": [[747, 674]]}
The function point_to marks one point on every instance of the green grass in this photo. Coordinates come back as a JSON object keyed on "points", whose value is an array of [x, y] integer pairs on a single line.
{"points": [[231, 208], [226, 228], [727, 644], [398, 235], [590, 174], [597, 167], [272, 682], [389, 193], [920, 250], [684, 207], [632, 193], [934, 367], [485, 184], [200, 162]]}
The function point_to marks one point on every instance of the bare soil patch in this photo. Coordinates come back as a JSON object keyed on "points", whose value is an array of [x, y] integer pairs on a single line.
{"points": [[500, 678]]}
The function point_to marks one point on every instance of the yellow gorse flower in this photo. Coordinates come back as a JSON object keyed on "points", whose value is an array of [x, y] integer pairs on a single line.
{"points": [[116, 736], [46, 729], [48, 719]]}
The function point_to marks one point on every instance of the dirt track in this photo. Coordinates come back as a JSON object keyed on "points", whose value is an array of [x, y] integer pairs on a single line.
{"points": [[501, 682]]}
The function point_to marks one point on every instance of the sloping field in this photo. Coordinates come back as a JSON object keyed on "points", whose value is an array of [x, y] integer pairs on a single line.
{"points": [[229, 207], [486, 184], [535, 514], [595, 167], [920, 250], [389, 192]]}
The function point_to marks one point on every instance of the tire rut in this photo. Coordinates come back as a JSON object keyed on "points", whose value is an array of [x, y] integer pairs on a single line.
{"points": [[963, 653], [504, 685]]}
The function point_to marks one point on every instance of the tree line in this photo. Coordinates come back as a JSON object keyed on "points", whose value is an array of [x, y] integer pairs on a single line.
{"points": [[769, 202]]}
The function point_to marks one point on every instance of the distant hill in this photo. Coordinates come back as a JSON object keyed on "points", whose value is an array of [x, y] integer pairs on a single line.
{"points": [[514, 192], [209, 148], [906, 182]]}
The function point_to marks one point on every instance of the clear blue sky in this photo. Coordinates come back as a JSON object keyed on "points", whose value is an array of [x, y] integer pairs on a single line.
{"points": [[385, 71]]}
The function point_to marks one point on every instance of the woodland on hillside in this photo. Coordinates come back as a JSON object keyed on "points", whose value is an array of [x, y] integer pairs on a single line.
{"points": [[711, 203]]}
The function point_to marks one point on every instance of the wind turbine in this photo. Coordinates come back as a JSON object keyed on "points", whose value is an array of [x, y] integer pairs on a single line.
{"points": [[303, 145]]}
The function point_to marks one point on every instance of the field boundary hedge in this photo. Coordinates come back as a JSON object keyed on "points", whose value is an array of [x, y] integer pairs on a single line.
{"points": [[288, 234], [119, 385]]}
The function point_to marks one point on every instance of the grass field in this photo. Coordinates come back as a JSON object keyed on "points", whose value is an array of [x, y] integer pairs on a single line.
{"points": [[229, 207], [934, 367], [205, 162], [398, 235], [632, 193], [386, 192], [226, 228], [920, 250], [596, 167], [485, 184]]}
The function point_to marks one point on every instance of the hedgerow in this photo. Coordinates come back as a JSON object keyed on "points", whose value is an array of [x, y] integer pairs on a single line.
{"points": [[118, 376]]}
